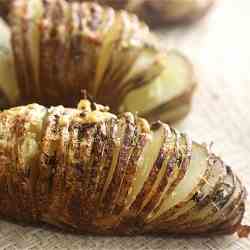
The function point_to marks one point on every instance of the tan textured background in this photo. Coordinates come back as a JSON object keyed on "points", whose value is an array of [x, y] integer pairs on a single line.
{"points": [[219, 46]]}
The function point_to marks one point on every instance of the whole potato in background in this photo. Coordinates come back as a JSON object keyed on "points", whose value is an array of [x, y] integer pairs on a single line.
{"points": [[153, 12]]}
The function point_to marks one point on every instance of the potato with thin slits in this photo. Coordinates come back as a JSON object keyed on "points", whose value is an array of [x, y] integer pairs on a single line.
{"points": [[54, 49], [89, 171]]}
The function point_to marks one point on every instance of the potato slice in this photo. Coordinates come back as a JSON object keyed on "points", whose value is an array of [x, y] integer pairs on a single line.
{"points": [[87, 44], [216, 208], [128, 47], [175, 82], [8, 81], [148, 157], [18, 24], [230, 207], [154, 176], [29, 134], [145, 61], [31, 42], [26, 129], [79, 174], [62, 51], [217, 215], [115, 41], [142, 138], [97, 163], [108, 47], [60, 157], [8, 202], [48, 44], [111, 129], [134, 62], [233, 223], [118, 138], [157, 172], [47, 162], [145, 72], [185, 212], [126, 150], [176, 162], [188, 184]]}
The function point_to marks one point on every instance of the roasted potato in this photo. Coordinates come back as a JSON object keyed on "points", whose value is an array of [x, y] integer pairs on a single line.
{"points": [[58, 49], [90, 171]]}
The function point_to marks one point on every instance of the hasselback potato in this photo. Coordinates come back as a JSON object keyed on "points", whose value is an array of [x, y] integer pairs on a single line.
{"points": [[154, 12], [88, 170], [58, 48]]}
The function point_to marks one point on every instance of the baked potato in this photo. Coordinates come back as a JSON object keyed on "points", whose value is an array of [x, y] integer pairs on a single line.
{"points": [[57, 49], [90, 171]]}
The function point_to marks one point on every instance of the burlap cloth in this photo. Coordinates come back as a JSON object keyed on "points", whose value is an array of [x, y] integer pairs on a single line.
{"points": [[219, 46]]}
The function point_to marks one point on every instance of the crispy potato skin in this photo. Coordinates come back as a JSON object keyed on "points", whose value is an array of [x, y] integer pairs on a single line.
{"points": [[56, 162], [108, 53]]}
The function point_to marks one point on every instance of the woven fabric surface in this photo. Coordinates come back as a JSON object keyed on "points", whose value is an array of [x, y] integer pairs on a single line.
{"points": [[219, 46]]}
